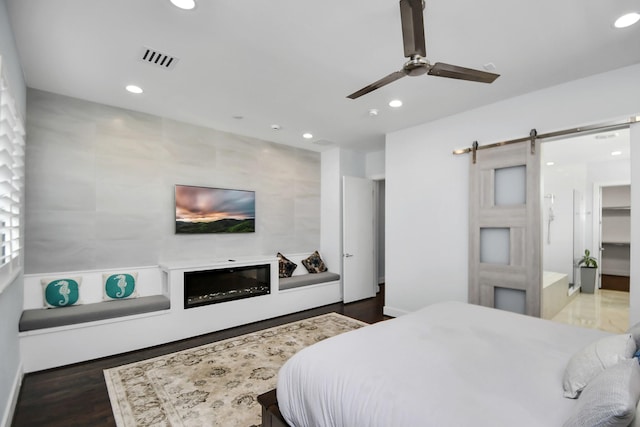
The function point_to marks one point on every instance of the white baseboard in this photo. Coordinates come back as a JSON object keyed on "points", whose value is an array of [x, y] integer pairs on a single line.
{"points": [[393, 312], [9, 410]]}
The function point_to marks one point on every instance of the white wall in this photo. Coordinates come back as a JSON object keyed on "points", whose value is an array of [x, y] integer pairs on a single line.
{"points": [[634, 303], [375, 164], [557, 243], [335, 164], [427, 186], [331, 210], [100, 188]]}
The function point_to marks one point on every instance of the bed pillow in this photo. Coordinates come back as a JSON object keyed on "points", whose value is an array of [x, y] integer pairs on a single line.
{"points": [[285, 266], [61, 292], [610, 399], [119, 285], [636, 418], [595, 358], [314, 264], [635, 332]]}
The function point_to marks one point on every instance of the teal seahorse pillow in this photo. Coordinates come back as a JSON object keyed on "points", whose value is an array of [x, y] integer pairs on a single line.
{"points": [[119, 285], [61, 292]]}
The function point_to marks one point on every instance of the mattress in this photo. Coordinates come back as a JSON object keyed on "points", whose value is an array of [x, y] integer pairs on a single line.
{"points": [[449, 364]]}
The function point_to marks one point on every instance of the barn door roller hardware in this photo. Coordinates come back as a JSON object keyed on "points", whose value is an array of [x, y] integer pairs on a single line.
{"points": [[533, 135]]}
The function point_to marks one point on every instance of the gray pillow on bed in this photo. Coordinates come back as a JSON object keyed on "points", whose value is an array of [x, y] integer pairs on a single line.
{"points": [[595, 358], [610, 399]]}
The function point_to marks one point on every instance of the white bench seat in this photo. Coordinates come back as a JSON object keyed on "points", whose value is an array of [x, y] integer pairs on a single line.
{"points": [[41, 318], [307, 279]]}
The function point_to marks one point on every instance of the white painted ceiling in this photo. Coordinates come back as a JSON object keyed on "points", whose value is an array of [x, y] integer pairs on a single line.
{"points": [[293, 62], [588, 149]]}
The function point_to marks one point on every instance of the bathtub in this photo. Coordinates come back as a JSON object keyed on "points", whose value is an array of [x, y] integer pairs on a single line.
{"points": [[555, 293]]}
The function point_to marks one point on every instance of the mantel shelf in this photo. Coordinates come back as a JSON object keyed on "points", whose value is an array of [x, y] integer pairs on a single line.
{"points": [[216, 263]]}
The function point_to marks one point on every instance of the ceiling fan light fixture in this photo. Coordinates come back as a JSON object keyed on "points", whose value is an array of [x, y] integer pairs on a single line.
{"points": [[395, 103], [412, 19], [627, 20], [184, 4]]}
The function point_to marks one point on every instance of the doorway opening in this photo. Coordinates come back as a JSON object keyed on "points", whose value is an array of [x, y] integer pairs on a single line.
{"points": [[584, 179]]}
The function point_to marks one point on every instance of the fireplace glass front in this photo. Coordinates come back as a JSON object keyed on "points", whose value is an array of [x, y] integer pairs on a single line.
{"points": [[225, 284]]}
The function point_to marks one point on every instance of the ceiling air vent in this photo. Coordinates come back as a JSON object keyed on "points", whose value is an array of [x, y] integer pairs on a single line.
{"points": [[158, 59]]}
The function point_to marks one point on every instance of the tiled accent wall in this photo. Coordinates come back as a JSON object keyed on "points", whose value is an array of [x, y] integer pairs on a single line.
{"points": [[100, 188]]}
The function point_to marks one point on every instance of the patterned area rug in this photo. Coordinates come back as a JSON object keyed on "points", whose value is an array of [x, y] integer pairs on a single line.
{"points": [[215, 384]]}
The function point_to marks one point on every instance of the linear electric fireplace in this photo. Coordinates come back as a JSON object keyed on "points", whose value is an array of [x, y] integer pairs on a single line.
{"points": [[225, 284]]}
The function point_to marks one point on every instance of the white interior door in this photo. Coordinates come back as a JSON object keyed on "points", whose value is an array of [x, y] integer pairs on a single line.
{"points": [[358, 232]]}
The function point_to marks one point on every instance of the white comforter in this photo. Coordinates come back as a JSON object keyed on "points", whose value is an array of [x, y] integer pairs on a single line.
{"points": [[450, 364]]}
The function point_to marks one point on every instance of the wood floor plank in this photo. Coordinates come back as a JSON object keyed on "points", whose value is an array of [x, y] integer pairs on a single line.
{"points": [[76, 395]]}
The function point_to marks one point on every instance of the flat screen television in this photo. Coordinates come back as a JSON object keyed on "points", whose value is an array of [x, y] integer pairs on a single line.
{"points": [[214, 210]]}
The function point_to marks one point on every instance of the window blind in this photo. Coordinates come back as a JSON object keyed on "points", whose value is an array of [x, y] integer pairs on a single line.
{"points": [[12, 145]]}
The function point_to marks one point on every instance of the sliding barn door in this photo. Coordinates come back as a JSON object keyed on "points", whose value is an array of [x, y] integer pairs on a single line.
{"points": [[504, 228]]}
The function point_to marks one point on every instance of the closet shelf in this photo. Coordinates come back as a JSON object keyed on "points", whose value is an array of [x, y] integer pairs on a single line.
{"points": [[616, 208]]}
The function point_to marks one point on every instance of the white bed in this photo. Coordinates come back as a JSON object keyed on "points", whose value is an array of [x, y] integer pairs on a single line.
{"points": [[450, 364]]}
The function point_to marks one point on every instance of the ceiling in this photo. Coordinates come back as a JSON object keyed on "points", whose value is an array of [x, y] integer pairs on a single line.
{"points": [[587, 149], [245, 65]]}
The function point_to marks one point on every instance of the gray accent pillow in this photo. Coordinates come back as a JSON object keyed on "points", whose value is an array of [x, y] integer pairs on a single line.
{"points": [[610, 399], [595, 358]]}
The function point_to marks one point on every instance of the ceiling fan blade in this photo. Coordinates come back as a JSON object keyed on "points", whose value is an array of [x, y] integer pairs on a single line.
{"points": [[441, 69], [411, 14], [382, 82]]}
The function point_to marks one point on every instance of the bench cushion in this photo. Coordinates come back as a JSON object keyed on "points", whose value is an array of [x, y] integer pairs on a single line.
{"points": [[48, 318], [307, 279]]}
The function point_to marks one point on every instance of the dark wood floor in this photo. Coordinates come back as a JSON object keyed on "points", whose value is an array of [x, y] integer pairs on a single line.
{"points": [[76, 395]]}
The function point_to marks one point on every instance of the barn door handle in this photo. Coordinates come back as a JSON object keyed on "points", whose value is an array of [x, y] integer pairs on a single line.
{"points": [[348, 255]]}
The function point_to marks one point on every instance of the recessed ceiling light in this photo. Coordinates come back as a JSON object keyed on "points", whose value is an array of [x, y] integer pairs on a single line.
{"points": [[395, 103], [627, 20], [616, 153], [307, 135], [275, 127], [134, 89], [550, 163], [373, 112], [184, 4]]}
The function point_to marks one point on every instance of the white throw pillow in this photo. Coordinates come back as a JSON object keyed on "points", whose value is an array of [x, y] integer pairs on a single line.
{"points": [[610, 399], [595, 358]]}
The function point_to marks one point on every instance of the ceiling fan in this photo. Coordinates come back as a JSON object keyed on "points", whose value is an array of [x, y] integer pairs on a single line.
{"points": [[415, 50]]}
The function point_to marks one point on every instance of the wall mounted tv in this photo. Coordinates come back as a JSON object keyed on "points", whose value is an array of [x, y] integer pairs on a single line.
{"points": [[214, 210]]}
